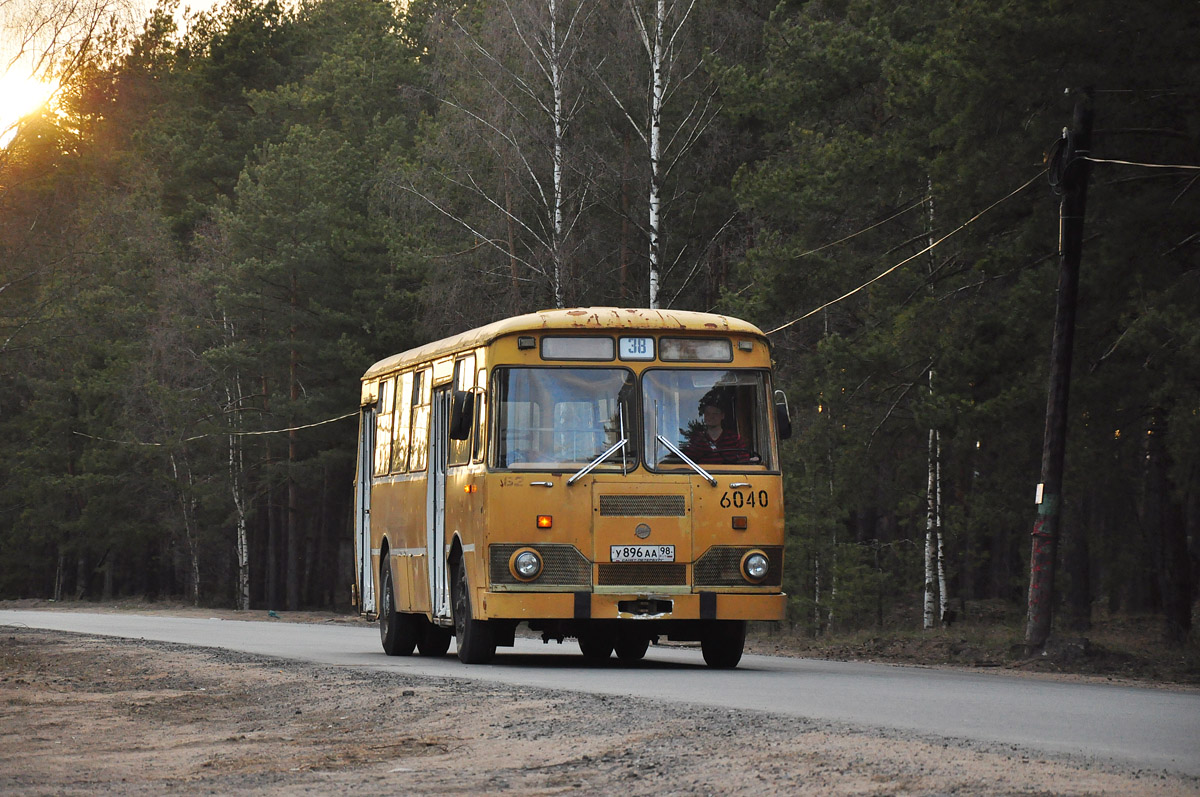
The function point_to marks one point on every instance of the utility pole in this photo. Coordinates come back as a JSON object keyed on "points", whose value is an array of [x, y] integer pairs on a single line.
{"points": [[1069, 173]]}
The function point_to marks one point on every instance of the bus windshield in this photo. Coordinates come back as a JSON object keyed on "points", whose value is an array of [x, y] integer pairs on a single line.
{"points": [[564, 418], [717, 418]]}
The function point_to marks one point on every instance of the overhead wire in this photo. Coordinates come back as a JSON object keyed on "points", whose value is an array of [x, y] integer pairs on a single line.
{"points": [[916, 204], [912, 257], [1146, 165], [221, 434]]}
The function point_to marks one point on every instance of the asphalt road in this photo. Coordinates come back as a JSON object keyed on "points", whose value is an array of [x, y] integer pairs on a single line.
{"points": [[1151, 728]]}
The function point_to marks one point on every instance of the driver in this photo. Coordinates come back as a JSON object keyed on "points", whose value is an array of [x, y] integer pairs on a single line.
{"points": [[712, 442]]}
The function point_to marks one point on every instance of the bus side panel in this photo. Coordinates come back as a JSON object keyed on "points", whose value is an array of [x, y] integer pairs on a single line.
{"points": [[398, 517], [465, 517]]}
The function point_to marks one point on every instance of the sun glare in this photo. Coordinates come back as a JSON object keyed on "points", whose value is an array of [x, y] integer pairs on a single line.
{"points": [[20, 95]]}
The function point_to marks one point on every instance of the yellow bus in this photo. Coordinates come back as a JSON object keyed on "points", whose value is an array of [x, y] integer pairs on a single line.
{"points": [[604, 474]]}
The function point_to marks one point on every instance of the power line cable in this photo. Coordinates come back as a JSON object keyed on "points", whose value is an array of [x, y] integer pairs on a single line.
{"points": [[912, 257], [1146, 165], [221, 434], [916, 204]]}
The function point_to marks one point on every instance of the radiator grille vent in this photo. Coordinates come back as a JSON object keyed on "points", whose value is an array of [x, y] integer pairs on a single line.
{"points": [[652, 574], [642, 506]]}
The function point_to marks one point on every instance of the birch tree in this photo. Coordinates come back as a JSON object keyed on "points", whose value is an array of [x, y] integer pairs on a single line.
{"points": [[514, 89], [935, 551], [672, 62]]}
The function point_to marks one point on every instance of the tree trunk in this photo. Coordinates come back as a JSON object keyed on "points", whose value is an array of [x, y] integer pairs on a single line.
{"points": [[58, 576], [1164, 526], [1077, 567], [511, 225], [183, 491], [292, 546], [657, 67], [943, 593], [555, 56], [273, 569], [930, 533], [237, 469], [816, 594], [624, 248]]}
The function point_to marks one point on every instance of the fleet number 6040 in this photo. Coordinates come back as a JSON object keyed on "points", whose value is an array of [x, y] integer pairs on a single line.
{"points": [[738, 499]]}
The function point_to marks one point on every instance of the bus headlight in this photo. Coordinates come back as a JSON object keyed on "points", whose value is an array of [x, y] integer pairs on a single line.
{"points": [[755, 566], [525, 564]]}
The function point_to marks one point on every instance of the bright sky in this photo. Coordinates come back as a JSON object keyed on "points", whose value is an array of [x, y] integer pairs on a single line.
{"points": [[21, 91], [19, 96]]}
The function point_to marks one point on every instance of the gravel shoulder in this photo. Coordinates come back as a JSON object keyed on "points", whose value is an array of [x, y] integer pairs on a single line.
{"points": [[82, 714]]}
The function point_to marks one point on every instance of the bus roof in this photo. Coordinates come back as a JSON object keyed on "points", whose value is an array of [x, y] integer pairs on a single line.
{"points": [[571, 319]]}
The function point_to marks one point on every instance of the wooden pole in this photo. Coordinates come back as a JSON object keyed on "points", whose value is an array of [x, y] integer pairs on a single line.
{"points": [[1070, 173]]}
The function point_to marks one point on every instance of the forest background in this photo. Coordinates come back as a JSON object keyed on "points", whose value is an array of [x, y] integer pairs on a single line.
{"points": [[218, 227]]}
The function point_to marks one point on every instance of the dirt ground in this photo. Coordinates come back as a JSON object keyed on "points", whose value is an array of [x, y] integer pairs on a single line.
{"points": [[85, 715]]}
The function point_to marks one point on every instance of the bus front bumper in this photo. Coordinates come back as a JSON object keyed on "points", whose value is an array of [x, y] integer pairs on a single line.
{"points": [[633, 606]]}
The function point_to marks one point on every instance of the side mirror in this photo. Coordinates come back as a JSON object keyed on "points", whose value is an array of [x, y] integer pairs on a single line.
{"points": [[783, 417], [462, 412]]}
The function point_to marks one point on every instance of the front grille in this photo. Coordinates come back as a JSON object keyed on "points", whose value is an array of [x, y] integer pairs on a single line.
{"points": [[642, 574], [642, 506], [722, 567], [563, 566]]}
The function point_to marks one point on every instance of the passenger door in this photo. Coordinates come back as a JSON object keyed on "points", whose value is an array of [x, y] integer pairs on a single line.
{"points": [[439, 448], [362, 512]]}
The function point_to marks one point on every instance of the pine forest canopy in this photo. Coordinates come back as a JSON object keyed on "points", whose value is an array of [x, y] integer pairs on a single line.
{"points": [[218, 228]]}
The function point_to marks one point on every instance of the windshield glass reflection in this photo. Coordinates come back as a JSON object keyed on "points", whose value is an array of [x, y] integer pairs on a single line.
{"points": [[558, 418]]}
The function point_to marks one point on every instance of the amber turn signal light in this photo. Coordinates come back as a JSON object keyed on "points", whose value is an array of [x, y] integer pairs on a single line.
{"points": [[740, 522], [545, 521]]}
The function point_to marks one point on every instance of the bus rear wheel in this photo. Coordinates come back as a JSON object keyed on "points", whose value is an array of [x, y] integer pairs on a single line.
{"points": [[434, 640], [722, 643], [476, 639], [397, 632]]}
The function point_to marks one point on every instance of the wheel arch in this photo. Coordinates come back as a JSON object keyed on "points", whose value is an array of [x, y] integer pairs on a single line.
{"points": [[455, 557], [384, 552]]}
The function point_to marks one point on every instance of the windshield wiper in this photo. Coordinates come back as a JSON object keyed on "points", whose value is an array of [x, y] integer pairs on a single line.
{"points": [[620, 444], [586, 469], [674, 450]]}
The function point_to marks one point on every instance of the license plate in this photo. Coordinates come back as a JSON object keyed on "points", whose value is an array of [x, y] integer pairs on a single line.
{"points": [[642, 553]]}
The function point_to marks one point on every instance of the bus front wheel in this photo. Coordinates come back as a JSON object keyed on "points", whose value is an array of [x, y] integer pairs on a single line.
{"points": [[631, 648], [722, 643], [476, 639], [397, 632], [596, 645]]}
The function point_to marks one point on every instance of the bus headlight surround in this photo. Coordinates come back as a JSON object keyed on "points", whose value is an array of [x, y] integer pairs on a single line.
{"points": [[755, 566], [525, 564]]}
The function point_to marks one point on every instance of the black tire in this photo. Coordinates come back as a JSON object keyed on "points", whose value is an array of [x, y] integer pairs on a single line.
{"points": [[631, 648], [476, 639], [596, 645], [397, 632], [434, 640], [723, 642]]}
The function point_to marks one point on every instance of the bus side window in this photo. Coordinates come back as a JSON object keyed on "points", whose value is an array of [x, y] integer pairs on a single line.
{"points": [[480, 414], [383, 427], [421, 397], [464, 377], [403, 420]]}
